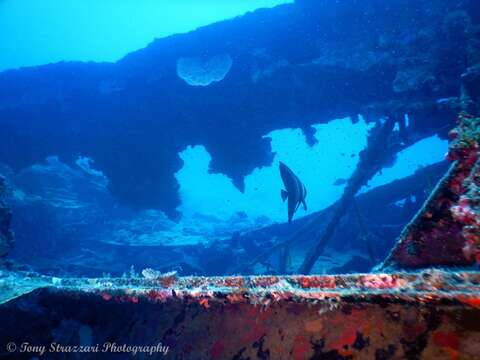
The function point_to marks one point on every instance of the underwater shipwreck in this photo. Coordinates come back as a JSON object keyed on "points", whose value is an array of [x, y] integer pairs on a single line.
{"points": [[87, 195]]}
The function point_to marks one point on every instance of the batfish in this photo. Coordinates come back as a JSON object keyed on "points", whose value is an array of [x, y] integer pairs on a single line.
{"points": [[294, 191]]}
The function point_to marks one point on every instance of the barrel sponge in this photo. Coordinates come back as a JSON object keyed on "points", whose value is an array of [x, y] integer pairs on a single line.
{"points": [[202, 71]]}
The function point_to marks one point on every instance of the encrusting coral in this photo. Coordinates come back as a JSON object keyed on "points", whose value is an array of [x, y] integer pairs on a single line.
{"points": [[446, 230], [465, 149]]}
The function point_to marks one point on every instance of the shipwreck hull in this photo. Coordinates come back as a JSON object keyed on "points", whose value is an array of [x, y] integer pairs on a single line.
{"points": [[428, 315], [417, 314]]}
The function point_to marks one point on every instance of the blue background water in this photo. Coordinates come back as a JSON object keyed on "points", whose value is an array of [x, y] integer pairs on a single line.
{"points": [[38, 32]]}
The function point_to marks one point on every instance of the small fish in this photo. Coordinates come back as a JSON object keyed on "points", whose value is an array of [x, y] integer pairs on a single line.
{"points": [[295, 190]]}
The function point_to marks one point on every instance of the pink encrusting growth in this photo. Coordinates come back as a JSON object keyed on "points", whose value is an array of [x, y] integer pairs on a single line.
{"points": [[465, 149], [267, 290], [446, 230]]}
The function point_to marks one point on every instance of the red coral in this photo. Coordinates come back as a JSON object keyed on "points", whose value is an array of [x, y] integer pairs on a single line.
{"points": [[378, 281], [167, 281], [204, 302], [234, 282], [266, 281], [324, 282], [156, 295]]}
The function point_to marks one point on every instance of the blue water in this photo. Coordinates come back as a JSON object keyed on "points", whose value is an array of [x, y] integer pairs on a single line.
{"points": [[34, 32], [149, 135]]}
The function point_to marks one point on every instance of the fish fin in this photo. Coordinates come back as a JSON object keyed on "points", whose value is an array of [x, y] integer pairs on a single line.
{"points": [[304, 205], [296, 208], [284, 195]]}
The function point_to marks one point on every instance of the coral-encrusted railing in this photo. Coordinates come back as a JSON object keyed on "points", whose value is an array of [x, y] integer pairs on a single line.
{"points": [[430, 314]]}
